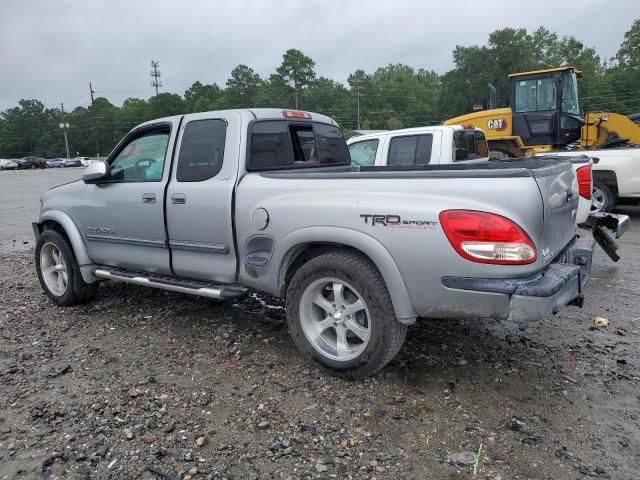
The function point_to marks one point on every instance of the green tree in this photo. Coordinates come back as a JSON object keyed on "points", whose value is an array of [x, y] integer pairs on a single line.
{"points": [[200, 97], [629, 53], [297, 71], [242, 87]]}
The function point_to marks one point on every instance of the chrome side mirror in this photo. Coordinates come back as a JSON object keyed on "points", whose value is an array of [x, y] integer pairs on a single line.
{"points": [[95, 172]]}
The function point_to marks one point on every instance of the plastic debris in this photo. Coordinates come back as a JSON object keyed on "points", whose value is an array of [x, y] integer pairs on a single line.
{"points": [[601, 321]]}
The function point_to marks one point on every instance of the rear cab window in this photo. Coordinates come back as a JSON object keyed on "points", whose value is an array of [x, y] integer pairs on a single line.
{"points": [[283, 144], [469, 144], [410, 150]]}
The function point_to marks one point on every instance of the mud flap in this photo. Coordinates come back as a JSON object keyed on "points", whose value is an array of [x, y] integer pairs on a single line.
{"points": [[618, 224]]}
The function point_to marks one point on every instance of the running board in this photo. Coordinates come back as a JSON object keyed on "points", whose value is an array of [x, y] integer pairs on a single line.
{"points": [[172, 284]]}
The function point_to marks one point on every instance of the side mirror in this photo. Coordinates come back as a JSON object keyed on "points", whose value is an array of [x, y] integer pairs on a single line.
{"points": [[95, 172]]}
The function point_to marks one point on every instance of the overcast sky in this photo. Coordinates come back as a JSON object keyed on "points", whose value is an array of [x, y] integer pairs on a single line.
{"points": [[50, 50]]}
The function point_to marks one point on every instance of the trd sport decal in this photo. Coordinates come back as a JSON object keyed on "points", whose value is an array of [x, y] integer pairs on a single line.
{"points": [[395, 221]]}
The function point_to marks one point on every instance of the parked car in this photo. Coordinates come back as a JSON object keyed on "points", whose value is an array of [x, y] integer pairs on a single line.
{"points": [[85, 161], [32, 162], [358, 252], [6, 164], [420, 146], [56, 162], [72, 162]]}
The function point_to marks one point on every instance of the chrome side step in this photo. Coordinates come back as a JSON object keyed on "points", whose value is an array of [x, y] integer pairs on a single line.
{"points": [[172, 284]]}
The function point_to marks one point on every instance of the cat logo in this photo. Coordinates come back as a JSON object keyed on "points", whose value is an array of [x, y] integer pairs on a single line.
{"points": [[498, 124]]}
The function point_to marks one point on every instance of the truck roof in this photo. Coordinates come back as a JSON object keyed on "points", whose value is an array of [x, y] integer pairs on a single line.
{"points": [[255, 114], [432, 128]]}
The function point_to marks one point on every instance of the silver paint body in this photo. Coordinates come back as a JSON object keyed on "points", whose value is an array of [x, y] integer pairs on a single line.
{"points": [[220, 225]]}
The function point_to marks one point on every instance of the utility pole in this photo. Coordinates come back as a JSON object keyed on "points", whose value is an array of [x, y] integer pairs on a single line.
{"points": [[64, 126], [155, 74], [358, 98], [95, 124], [357, 82]]}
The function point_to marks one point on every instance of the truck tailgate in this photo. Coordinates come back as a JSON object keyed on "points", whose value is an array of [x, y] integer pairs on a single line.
{"points": [[559, 191]]}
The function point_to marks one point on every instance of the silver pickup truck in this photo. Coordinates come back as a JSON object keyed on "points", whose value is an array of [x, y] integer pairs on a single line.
{"points": [[216, 203]]}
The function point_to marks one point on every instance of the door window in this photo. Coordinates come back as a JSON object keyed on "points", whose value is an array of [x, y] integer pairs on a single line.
{"points": [[201, 150], [410, 150], [142, 159], [364, 153]]}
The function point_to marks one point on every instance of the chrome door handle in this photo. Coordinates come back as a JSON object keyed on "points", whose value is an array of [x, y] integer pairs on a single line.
{"points": [[148, 198], [178, 199]]}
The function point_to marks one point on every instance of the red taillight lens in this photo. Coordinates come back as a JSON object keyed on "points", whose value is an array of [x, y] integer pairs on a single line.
{"points": [[487, 238], [296, 114], [585, 184]]}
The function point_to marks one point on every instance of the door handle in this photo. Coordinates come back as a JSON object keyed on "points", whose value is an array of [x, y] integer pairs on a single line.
{"points": [[148, 198], [178, 199]]}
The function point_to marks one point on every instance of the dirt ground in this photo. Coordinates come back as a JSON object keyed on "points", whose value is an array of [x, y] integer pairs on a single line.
{"points": [[147, 384]]}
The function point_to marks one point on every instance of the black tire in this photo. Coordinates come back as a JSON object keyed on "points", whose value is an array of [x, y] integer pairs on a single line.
{"points": [[604, 202], [387, 333], [77, 291]]}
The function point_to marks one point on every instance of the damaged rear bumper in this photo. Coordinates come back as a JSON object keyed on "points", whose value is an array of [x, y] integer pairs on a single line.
{"points": [[618, 224], [538, 296]]}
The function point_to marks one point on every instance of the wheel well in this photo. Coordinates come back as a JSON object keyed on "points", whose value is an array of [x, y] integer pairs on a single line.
{"points": [[607, 177], [55, 226], [301, 254]]}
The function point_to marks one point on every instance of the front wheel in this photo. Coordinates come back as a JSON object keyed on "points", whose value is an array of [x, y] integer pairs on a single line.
{"points": [[59, 273], [340, 314], [602, 199]]}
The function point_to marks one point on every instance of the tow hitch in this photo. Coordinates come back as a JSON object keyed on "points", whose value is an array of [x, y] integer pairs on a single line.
{"points": [[618, 224]]}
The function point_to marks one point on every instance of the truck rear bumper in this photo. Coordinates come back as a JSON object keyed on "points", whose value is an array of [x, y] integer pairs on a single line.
{"points": [[538, 296]]}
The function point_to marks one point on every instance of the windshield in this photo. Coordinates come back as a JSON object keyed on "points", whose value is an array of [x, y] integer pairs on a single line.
{"points": [[570, 93]]}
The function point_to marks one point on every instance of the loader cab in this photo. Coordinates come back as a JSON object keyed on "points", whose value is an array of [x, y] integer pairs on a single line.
{"points": [[545, 106]]}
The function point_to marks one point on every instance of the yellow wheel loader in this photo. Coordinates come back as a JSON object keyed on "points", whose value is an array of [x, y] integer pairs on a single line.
{"points": [[545, 117]]}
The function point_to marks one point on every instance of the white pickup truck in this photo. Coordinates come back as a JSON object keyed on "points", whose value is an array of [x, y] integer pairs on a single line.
{"points": [[447, 144], [616, 176], [437, 145]]}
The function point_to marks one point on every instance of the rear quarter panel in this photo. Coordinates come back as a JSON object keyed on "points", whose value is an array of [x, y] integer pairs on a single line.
{"points": [[421, 252]]}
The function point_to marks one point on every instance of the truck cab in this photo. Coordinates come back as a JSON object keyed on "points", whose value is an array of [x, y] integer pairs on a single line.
{"points": [[436, 145]]}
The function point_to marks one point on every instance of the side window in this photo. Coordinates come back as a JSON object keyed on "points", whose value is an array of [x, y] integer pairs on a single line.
{"points": [[410, 150], [142, 159], [201, 150], [364, 153]]}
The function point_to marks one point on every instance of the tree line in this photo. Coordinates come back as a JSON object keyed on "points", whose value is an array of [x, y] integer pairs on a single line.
{"points": [[394, 96]]}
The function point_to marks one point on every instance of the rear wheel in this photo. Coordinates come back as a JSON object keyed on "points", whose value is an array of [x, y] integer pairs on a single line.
{"points": [[59, 272], [340, 314], [602, 199]]}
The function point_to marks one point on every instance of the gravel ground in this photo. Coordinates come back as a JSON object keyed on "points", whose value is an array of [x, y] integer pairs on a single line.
{"points": [[147, 384]]}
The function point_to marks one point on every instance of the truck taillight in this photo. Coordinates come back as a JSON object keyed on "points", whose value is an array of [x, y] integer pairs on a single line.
{"points": [[487, 238], [296, 114], [585, 184]]}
